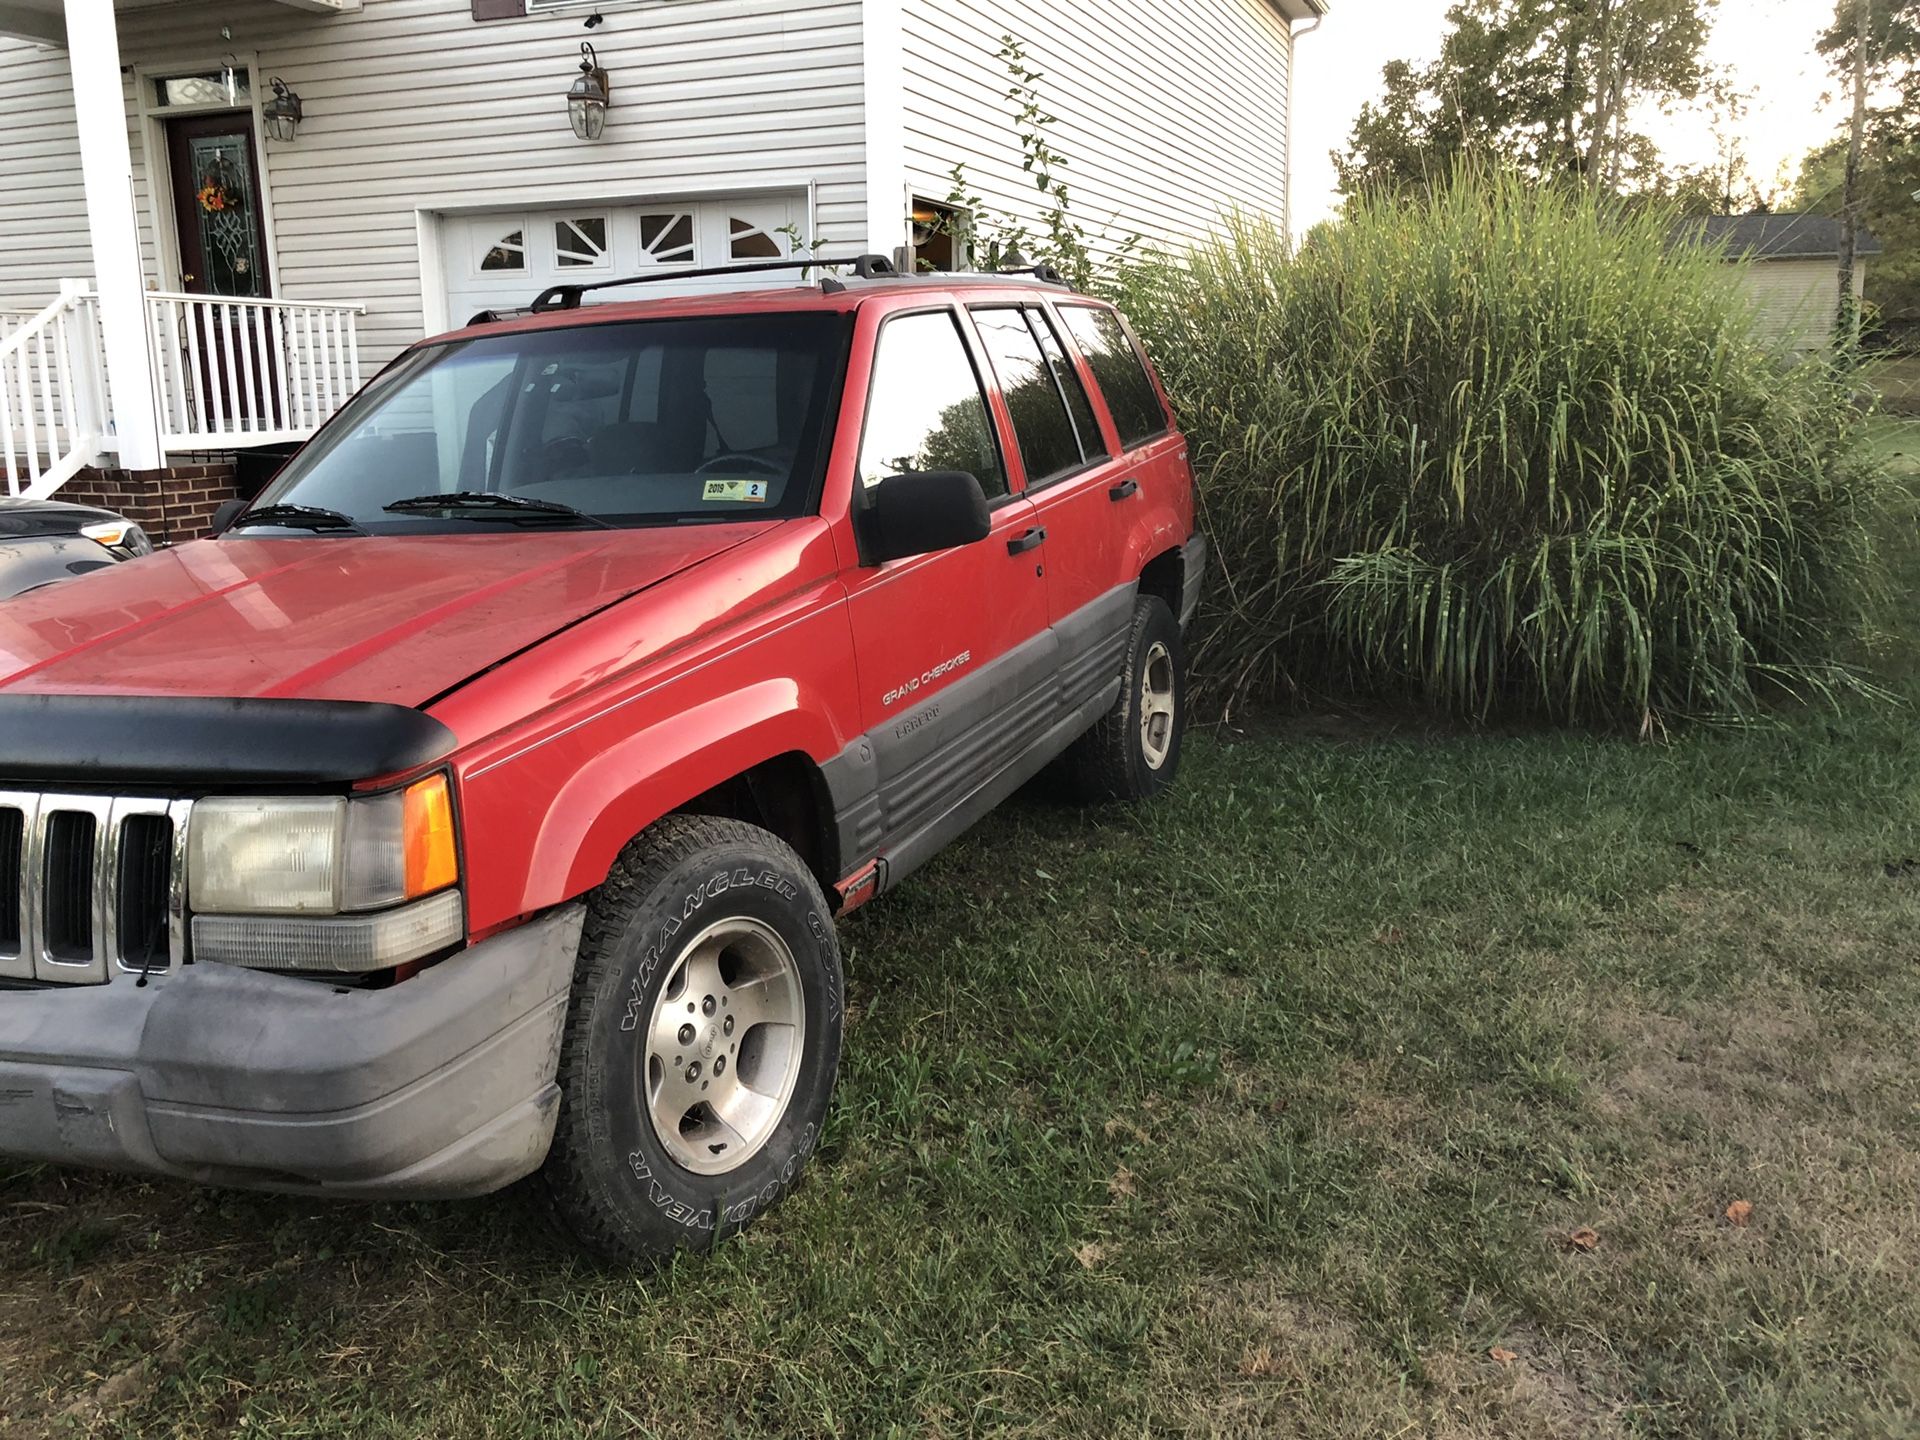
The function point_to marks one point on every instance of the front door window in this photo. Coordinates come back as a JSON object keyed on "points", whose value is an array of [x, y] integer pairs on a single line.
{"points": [[216, 189]]}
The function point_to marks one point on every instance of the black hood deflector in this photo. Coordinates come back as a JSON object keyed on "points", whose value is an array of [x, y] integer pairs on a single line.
{"points": [[189, 742]]}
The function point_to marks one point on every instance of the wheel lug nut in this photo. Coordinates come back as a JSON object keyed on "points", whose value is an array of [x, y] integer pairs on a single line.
{"points": [[693, 1072], [707, 1007], [728, 1027], [686, 1034], [720, 1065]]}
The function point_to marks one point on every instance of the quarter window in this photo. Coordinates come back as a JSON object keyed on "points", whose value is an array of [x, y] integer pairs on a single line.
{"points": [[925, 408], [1119, 371], [1041, 423]]}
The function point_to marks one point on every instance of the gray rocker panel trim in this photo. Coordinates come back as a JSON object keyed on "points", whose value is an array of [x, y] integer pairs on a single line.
{"points": [[906, 788]]}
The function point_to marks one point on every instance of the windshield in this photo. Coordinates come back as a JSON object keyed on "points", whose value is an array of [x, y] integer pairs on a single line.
{"points": [[649, 422]]}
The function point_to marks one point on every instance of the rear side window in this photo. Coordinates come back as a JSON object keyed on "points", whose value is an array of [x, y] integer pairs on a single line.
{"points": [[1049, 444], [925, 409], [1092, 445], [1119, 371]]}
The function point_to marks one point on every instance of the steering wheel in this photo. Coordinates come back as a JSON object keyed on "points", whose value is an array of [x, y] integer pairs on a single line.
{"points": [[566, 454], [756, 462]]}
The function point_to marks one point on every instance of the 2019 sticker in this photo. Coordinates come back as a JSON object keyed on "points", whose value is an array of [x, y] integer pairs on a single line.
{"points": [[753, 492]]}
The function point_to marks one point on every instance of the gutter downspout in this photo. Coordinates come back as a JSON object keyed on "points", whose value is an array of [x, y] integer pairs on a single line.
{"points": [[1293, 39]]}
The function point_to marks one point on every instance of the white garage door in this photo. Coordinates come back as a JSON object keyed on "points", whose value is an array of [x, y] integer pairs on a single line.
{"points": [[502, 259]]}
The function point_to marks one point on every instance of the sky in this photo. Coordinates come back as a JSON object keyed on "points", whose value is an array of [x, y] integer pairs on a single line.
{"points": [[1766, 44]]}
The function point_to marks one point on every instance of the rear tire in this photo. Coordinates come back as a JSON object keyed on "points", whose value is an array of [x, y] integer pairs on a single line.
{"points": [[1133, 752], [701, 1043]]}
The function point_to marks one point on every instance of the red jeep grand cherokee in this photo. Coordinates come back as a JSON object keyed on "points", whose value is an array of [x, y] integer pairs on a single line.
{"points": [[481, 801]]}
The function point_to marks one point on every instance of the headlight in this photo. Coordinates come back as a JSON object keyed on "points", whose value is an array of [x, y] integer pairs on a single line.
{"points": [[315, 856], [119, 535]]}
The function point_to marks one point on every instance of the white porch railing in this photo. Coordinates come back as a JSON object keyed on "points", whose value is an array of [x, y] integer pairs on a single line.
{"points": [[52, 396], [228, 373], [249, 372]]}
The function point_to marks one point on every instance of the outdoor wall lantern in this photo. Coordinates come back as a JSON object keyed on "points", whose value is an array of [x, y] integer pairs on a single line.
{"points": [[588, 97], [282, 112]]}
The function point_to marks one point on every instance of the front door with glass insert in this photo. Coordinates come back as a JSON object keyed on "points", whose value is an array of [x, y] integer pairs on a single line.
{"points": [[226, 352], [216, 205]]}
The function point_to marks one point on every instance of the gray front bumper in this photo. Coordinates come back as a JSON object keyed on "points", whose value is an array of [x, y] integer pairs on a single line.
{"points": [[440, 1086]]}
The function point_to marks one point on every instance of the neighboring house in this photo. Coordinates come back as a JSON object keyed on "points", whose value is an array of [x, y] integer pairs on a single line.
{"points": [[1793, 270], [245, 268]]}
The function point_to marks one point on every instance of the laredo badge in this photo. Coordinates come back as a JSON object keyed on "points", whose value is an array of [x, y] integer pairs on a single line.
{"points": [[754, 492]]}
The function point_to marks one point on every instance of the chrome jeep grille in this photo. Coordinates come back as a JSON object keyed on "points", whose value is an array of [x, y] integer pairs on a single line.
{"points": [[91, 884]]}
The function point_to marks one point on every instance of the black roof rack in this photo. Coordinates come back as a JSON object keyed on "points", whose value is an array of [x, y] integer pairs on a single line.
{"points": [[494, 317], [567, 297], [1049, 274]]}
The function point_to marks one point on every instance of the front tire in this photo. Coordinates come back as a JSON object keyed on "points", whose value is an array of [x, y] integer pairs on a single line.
{"points": [[1133, 752], [701, 1044]]}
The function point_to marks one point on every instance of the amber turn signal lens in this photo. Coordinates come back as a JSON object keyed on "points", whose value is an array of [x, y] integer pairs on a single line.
{"points": [[432, 863]]}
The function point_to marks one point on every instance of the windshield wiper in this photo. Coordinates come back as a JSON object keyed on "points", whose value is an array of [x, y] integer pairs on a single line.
{"points": [[297, 517], [491, 500]]}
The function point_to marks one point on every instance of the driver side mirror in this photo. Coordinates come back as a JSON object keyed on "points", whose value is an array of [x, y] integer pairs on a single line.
{"points": [[921, 512], [228, 512]]}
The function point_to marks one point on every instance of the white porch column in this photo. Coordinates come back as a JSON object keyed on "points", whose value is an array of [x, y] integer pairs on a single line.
{"points": [[106, 168], [883, 57]]}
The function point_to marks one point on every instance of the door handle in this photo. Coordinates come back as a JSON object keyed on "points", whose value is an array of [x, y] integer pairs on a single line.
{"points": [[1027, 541], [1125, 490]]}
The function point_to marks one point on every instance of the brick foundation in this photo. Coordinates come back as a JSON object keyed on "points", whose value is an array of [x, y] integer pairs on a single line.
{"points": [[172, 505]]}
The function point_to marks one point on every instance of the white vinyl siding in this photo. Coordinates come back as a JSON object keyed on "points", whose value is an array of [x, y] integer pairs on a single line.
{"points": [[43, 219], [412, 106], [1170, 112], [1798, 300]]}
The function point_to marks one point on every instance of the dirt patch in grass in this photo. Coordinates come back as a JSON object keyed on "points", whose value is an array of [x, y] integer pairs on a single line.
{"points": [[1284, 1364]]}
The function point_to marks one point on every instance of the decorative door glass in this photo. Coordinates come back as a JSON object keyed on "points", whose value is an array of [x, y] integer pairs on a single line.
{"points": [[226, 212]]}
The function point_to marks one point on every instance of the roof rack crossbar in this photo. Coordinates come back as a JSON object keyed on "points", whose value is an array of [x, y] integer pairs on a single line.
{"points": [[1043, 271], [567, 297]]}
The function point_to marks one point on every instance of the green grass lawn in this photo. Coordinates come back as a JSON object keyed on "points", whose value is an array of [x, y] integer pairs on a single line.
{"points": [[1271, 1110]]}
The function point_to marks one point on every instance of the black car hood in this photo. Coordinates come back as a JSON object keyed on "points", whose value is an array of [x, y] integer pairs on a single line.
{"points": [[29, 519]]}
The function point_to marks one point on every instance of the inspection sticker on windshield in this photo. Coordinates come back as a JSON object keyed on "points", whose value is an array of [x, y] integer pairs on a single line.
{"points": [[754, 492]]}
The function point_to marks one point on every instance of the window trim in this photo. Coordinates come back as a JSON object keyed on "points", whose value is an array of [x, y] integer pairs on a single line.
{"points": [[963, 330], [1140, 358], [1029, 485]]}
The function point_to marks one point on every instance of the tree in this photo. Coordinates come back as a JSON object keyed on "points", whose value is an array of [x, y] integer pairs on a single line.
{"points": [[1548, 87], [1889, 176], [1847, 321], [1876, 45]]}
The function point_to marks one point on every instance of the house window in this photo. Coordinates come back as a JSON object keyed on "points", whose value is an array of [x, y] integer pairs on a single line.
{"points": [[509, 252], [580, 242], [750, 242], [207, 88], [667, 238], [940, 236]]}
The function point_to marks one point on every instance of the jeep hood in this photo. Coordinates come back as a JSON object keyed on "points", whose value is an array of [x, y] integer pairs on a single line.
{"points": [[395, 618]]}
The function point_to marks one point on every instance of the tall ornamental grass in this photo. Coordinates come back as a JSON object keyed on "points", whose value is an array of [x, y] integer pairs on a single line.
{"points": [[1506, 451]]}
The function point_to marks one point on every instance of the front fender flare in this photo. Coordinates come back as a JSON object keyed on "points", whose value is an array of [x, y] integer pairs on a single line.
{"points": [[656, 770]]}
